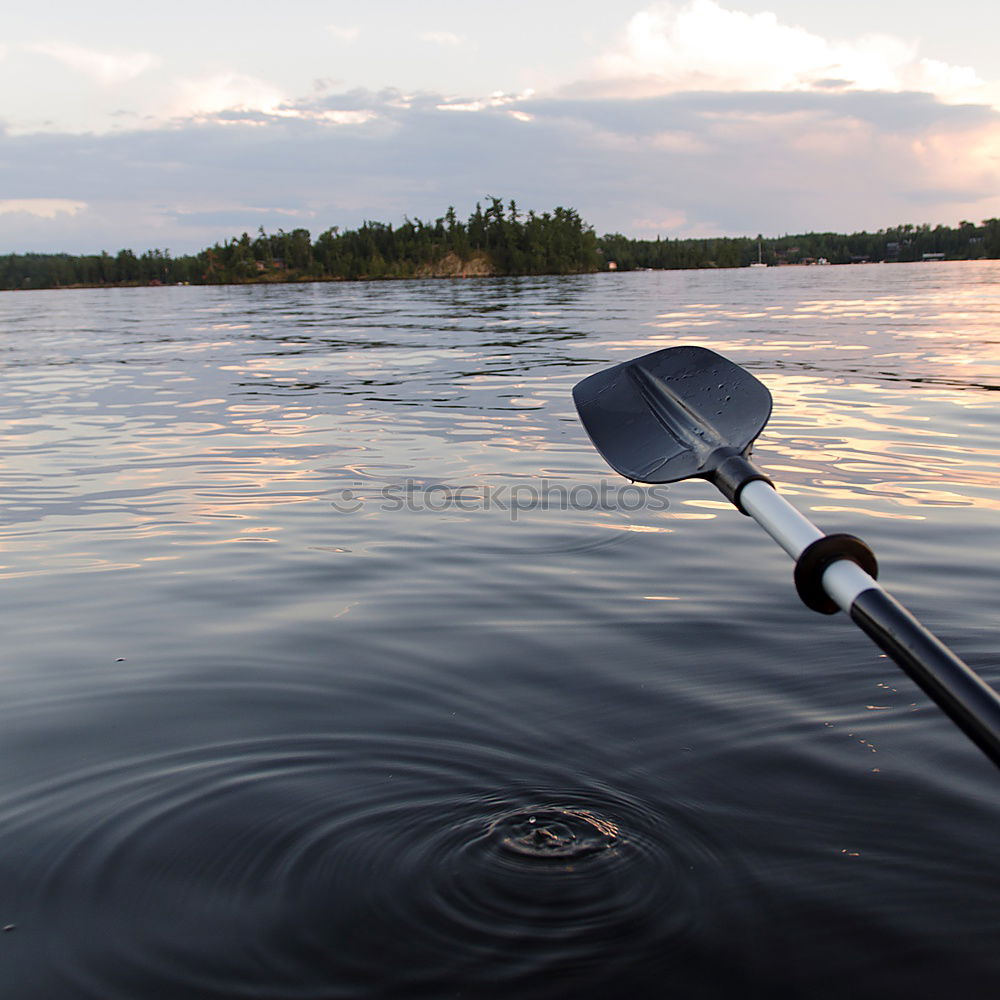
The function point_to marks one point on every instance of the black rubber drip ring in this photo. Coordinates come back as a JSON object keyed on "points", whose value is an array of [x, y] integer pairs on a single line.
{"points": [[814, 560]]}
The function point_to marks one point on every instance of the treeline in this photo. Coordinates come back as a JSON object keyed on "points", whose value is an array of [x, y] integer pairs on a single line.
{"points": [[904, 243], [499, 240]]}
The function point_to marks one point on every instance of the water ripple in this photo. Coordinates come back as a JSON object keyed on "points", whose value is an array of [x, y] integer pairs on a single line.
{"points": [[297, 853]]}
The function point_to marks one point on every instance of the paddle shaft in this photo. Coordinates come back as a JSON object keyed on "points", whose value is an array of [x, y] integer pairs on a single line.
{"points": [[960, 693]]}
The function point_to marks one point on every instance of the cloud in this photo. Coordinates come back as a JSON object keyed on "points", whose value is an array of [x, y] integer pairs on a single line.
{"points": [[701, 45], [228, 91], [498, 99], [345, 34], [669, 223], [687, 163], [107, 68], [233, 98], [441, 38], [42, 208]]}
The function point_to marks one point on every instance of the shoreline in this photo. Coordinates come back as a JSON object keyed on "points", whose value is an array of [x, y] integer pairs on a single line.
{"points": [[336, 279]]}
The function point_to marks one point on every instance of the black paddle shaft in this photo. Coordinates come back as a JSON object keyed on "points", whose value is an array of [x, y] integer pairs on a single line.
{"points": [[958, 691]]}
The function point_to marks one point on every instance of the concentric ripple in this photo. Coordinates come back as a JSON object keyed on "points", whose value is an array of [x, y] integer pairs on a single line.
{"points": [[339, 866], [554, 833]]}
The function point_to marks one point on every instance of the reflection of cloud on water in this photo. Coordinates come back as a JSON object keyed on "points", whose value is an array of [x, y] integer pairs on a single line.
{"points": [[848, 441], [894, 515]]}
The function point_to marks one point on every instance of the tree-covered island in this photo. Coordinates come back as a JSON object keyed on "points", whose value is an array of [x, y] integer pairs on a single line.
{"points": [[499, 240]]}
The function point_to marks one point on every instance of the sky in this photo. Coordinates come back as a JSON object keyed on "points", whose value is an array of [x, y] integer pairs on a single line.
{"points": [[184, 125]]}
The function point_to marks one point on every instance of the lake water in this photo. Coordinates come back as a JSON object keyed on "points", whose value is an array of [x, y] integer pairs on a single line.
{"points": [[337, 664]]}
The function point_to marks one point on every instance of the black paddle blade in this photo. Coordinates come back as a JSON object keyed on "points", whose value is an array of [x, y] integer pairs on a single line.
{"points": [[674, 414]]}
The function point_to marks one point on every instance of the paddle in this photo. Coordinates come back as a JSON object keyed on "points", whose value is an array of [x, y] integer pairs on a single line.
{"points": [[687, 412]]}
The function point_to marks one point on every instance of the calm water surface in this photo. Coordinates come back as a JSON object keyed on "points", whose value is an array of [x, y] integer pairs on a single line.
{"points": [[337, 664]]}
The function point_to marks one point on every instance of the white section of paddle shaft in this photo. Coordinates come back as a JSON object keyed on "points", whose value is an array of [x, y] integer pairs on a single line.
{"points": [[793, 532], [843, 579]]}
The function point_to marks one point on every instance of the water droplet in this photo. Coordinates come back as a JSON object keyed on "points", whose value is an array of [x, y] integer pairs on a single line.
{"points": [[555, 833]]}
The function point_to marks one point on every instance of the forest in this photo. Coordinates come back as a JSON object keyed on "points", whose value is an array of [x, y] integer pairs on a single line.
{"points": [[903, 243], [497, 240]]}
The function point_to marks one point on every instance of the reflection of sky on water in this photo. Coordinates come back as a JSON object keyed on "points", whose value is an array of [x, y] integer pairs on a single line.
{"points": [[882, 397], [883, 401]]}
